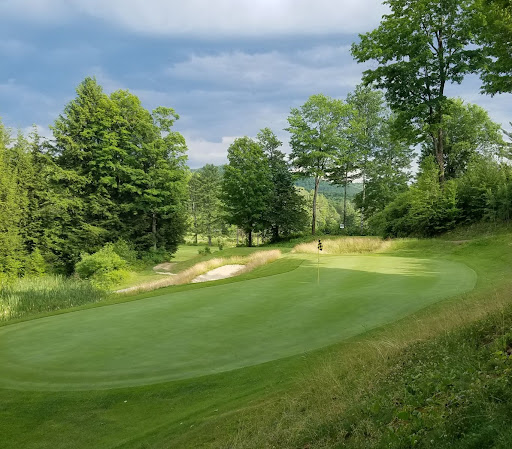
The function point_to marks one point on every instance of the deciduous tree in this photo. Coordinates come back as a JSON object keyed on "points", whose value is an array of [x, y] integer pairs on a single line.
{"points": [[285, 211], [316, 136], [421, 47], [246, 186]]}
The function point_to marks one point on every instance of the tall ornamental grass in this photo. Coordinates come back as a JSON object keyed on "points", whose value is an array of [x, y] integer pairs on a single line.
{"points": [[345, 245], [31, 296]]}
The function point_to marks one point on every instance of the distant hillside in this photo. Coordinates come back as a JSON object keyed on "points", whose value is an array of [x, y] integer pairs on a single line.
{"points": [[330, 191]]}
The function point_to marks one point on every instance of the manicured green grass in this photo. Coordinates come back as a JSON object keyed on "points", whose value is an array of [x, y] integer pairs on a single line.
{"points": [[290, 402], [195, 333]]}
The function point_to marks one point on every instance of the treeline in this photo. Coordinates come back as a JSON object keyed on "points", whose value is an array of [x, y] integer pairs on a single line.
{"points": [[332, 140], [419, 49], [112, 171], [254, 192], [330, 191], [115, 174]]}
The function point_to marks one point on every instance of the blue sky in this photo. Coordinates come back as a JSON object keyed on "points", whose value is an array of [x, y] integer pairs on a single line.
{"points": [[228, 67]]}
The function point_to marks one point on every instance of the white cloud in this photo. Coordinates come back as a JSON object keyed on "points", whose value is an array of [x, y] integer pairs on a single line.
{"points": [[201, 151], [211, 18], [319, 69]]}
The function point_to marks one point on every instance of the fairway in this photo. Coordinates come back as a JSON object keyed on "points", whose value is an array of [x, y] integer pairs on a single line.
{"points": [[222, 327]]}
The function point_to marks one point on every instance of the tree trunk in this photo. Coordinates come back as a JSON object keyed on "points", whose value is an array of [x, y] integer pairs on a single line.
{"points": [[313, 224], [249, 238], [195, 221], [275, 233], [209, 235], [440, 154], [345, 201], [153, 230], [363, 203], [237, 237]]}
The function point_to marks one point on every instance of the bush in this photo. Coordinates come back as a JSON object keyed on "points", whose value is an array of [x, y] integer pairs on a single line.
{"points": [[104, 268], [205, 251], [425, 210], [126, 251], [154, 257]]}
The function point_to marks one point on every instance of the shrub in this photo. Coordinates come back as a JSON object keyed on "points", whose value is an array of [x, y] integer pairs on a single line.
{"points": [[205, 251], [126, 251], [104, 267], [425, 210], [154, 257]]}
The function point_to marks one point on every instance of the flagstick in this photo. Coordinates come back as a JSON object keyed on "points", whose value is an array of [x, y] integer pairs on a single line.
{"points": [[318, 268]]}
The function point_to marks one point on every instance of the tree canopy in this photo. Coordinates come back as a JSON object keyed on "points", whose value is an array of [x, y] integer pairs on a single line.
{"points": [[420, 48]]}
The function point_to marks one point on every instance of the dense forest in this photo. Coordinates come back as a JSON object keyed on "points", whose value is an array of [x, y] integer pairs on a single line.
{"points": [[116, 174]]}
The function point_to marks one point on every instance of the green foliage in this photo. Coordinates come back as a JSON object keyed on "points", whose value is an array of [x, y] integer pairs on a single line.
{"points": [[35, 265], [126, 251], [481, 189], [420, 48], [330, 191], [386, 173], [120, 172], [205, 203], [104, 268], [468, 131], [329, 214], [426, 209], [493, 29], [205, 251], [246, 186], [317, 138], [453, 391], [13, 202], [35, 295], [285, 209]]}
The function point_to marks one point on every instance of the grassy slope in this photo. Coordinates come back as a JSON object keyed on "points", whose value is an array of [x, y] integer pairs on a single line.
{"points": [[203, 331], [284, 403]]}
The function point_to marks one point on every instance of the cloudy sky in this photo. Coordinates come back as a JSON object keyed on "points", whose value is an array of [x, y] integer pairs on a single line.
{"points": [[228, 67]]}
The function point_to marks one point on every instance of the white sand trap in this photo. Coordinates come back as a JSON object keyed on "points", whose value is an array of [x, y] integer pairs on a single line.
{"points": [[223, 272]]}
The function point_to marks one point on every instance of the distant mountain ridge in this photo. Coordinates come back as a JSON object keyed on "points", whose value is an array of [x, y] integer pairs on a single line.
{"points": [[330, 191]]}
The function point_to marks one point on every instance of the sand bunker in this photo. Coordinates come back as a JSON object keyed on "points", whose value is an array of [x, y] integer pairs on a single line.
{"points": [[164, 267], [226, 271]]}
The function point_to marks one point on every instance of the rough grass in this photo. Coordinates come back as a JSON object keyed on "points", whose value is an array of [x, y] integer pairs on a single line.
{"points": [[32, 296], [186, 276], [345, 245], [437, 379]]}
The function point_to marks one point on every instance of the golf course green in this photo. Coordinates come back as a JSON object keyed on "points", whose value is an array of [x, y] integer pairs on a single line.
{"points": [[218, 328]]}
